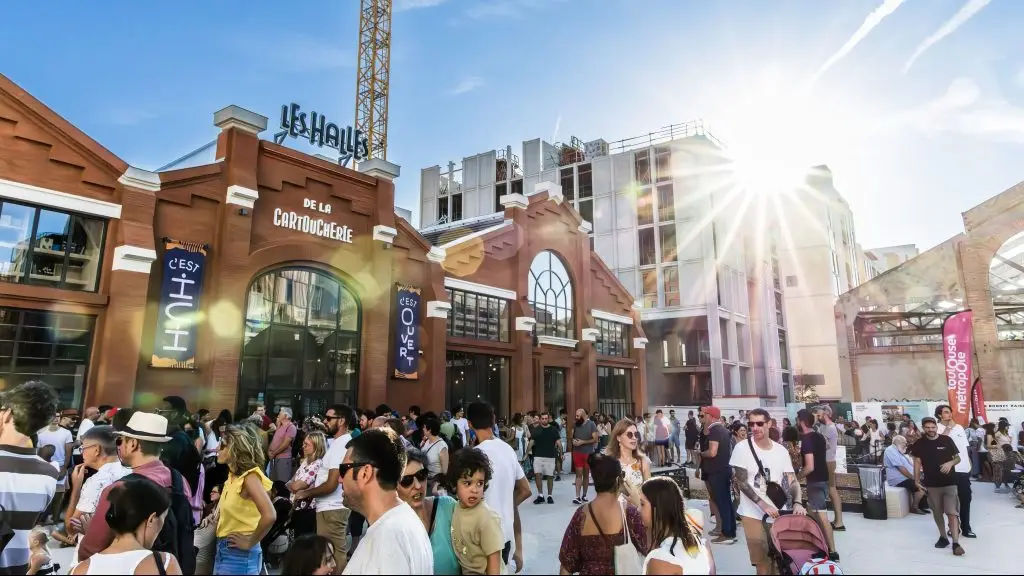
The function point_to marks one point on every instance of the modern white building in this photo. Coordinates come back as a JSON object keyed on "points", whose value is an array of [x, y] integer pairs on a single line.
{"points": [[669, 220], [889, 257]]}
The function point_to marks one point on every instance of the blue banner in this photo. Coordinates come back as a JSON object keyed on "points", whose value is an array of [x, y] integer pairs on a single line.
{"points": [[184, 264], [407, 333]]}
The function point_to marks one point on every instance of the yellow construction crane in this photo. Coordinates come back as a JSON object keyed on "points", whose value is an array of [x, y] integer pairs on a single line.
{"points": [[374, 75]]}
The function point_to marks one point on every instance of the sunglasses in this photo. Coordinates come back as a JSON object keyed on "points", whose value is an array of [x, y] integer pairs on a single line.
{"points": [[344, 468], [408, 479], [630, 434], [758, 424]]}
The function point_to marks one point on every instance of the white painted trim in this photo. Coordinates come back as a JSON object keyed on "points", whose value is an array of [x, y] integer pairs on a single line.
{"points": [[525, 323], [585, 227], [469, 237], [54, 199], [380, 168], [640, 343], [385, 234], [133, 258], [601, 314], [141, 179], [514, 201], [457, 284], [554, 190], [638, 304], [556, 341], [436, 254], [233, 116], [242, 196], [438, 309], [590, 334]]}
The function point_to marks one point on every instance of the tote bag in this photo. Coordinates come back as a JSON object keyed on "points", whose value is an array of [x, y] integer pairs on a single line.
{"points": [[627, 559]]}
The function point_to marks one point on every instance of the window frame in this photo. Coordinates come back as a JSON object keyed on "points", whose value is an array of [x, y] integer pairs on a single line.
{"points": [[564, 287], [459, 299], [613, 339]]}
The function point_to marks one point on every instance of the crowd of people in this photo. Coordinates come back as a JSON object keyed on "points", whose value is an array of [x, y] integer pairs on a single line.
{"points": [[352, 491]]}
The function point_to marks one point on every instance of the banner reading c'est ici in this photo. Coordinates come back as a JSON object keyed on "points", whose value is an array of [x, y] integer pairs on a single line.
{"points": [[958, 353]]}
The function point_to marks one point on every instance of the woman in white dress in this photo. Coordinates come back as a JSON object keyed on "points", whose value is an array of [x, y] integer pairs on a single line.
{"points": [[677, 546], [625, 445]]}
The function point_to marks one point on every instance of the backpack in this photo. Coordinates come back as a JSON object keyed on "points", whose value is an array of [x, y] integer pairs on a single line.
{"points": [[178, 534]]}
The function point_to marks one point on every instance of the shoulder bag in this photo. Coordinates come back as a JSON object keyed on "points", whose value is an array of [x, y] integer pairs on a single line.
{"points": [[773, 490], [627, 558]]}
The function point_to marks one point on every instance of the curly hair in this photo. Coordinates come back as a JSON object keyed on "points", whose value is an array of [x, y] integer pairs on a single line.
{"points": [[465, 463], [244, 448], [32, 405]]}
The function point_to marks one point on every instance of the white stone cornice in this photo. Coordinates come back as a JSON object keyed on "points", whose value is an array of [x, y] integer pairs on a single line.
{"points": [[590, 334], [242, 196], [465, 285], [45, 197], [141, 179], [601, 314], [380, 168], [437, 254], [554, 191], [514, 201], [640, 343], [385, 234], [133, 258], [525, 323], [237, 117], [556, 341], [585, 227], [438, 309], [638, 304]]}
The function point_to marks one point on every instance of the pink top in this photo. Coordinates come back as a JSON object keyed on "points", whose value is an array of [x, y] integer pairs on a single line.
{"points": [[279, 435]]}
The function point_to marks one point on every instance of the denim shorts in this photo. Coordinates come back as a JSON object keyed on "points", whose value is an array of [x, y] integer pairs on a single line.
{"points": [[231, 560]]}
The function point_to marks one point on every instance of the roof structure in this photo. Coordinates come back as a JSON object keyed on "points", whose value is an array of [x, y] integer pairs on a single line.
{"points": [[441, 234]]}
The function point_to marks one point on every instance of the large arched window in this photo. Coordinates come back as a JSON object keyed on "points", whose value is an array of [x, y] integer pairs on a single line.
{"points": [[1006, 283], [550, 293], [301, 343]]}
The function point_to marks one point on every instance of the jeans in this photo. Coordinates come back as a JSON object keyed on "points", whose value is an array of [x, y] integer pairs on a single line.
{"points": [[975, 461], [232, 560], [721, 490], [963, 492]]}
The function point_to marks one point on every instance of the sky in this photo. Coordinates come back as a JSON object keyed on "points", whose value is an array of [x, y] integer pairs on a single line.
{"points": [[917, 106]]}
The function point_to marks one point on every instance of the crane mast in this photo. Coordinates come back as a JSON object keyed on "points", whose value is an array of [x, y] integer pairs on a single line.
{"points": [[374, 75]]}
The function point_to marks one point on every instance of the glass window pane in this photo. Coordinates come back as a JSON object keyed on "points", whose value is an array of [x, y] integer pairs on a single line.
{"points": [[49, 247], [324, 302], [15, 229], [84, 246]]}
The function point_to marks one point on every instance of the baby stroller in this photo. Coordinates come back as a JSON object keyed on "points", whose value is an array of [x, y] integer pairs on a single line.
{"points": [[277, 540], [794, 541]]}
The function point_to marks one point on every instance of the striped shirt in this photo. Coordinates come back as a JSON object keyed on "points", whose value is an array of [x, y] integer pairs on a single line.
{"points": [[27, 484]]}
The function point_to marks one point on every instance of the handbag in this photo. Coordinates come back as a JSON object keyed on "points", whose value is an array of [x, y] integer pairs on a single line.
{"points": [[626, 557], [773, 490]]}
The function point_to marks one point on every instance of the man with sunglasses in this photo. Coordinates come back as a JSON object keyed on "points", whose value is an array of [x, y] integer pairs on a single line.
{"points": [[717, 473], [331, 514], [99, 453]]}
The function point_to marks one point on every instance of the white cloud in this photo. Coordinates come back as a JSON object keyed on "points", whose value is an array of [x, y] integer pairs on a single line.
{"points": [[466, 85], [964, 110], [484, 9], [404, 5], [1020, 78], [966, 12], [873, 19]]}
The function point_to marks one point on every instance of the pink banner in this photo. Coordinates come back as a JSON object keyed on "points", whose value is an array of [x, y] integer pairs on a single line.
{"points": [[978, 399], [958, 353]]}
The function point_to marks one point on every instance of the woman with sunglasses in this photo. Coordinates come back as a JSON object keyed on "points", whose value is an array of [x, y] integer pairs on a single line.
{"points": [[246, 512], [625, 447], [434, 511]]}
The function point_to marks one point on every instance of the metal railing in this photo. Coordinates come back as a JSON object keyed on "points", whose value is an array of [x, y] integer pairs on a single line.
{"points": [[665, 134]]}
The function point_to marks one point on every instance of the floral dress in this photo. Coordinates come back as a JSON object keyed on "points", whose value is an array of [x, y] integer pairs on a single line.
{"points": [[594, 553], [306, 473]]}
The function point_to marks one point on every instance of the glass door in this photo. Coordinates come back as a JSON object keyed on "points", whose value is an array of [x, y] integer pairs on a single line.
{"points": [[554, 389]]}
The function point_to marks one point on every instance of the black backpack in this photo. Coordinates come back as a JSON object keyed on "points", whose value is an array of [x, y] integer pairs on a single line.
{"points": [[178, 534]]}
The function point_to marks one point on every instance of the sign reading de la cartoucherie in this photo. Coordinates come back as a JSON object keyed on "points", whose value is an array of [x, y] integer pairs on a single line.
{"points": [[349, 142]]}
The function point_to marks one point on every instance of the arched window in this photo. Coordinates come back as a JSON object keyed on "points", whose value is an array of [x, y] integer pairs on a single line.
{"points": [[550, 293], [301, 342], [1006, 283]]}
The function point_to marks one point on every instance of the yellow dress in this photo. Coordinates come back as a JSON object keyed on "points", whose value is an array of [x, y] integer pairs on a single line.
{"points": [[239, 515]]}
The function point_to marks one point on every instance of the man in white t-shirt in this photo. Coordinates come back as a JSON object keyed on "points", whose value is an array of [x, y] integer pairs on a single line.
{"points": [[396, 541], [508, 487], [331, 513], [752, 484], [462, 424], [99, 452], [63, 444], [962, 471]]}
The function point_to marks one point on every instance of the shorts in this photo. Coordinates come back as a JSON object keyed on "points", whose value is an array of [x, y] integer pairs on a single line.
{"points": [[757, 545], [661, 442], [831, 473], [543, 466], [816, 495], [943, 500], [579, 459]]}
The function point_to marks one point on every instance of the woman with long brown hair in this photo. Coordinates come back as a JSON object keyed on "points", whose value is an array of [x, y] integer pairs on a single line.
{"points": [[624, 445], [676, 544]]}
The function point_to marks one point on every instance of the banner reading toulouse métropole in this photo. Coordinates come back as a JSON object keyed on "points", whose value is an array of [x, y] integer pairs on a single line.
{"points": [[407, 332], [184, 264], [958, 353], [978, 401]]}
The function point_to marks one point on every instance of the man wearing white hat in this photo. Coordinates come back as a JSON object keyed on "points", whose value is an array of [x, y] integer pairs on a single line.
{"points": [[138, 447]]}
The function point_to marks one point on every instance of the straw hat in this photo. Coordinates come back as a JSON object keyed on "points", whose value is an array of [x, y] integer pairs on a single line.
{"points": [[146, 426]]}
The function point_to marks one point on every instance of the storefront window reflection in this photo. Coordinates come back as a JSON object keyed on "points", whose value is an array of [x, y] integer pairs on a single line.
{"points": [[50, 248], [47, 346], [478, 377], [550, 293], [301, 346]]}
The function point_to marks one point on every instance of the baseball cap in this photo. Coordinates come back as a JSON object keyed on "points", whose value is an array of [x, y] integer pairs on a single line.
{"points": [[713, 411]]}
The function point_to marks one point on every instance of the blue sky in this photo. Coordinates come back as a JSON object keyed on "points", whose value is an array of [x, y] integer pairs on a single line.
{"points": [[911, 149]]}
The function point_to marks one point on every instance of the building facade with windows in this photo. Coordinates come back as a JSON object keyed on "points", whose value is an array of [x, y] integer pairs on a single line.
{"points": [[820, 259], [273, 276], [668, 221]]}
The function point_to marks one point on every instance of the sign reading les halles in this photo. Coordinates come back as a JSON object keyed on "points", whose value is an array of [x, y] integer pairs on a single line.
{"points": [[349, 142]]}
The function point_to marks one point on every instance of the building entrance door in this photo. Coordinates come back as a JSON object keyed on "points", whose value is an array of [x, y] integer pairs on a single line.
{"points": [[554, 389]]}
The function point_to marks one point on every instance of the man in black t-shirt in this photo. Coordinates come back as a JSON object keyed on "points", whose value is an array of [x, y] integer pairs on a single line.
{"points": [[814, 469], [544, 441], [937, 455], [717, 473]]}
